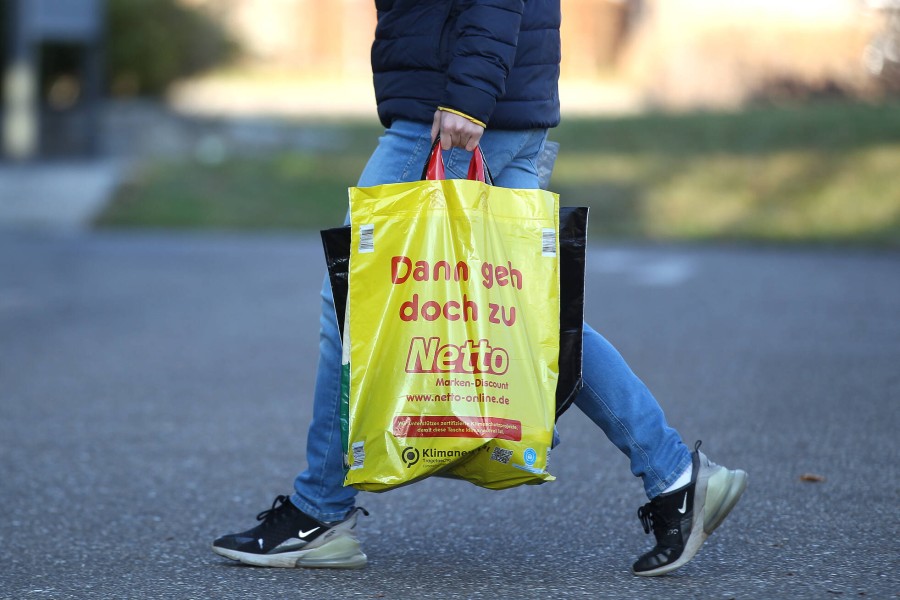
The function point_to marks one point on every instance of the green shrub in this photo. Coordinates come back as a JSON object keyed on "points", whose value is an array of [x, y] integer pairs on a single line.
{"points": [[151, 43]]}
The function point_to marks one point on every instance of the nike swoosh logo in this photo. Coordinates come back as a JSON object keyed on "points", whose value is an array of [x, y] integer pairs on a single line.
{"points": [[683, 508], [303, 534]]}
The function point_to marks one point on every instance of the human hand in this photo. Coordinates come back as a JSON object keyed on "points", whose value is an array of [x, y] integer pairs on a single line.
{"points": [[455, 131]]}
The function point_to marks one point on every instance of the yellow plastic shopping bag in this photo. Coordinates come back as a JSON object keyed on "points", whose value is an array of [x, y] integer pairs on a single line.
{"points": [[452, 333]]}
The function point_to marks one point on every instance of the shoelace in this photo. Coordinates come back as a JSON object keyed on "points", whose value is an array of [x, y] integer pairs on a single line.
{"points": [[273, 513], [654, 519], [646, 516], [281, 506]]}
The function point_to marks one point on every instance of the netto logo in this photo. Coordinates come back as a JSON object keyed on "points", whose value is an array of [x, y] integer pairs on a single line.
{"points": [[410, 456]]}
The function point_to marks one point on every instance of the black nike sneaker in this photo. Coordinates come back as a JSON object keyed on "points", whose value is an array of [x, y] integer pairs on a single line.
{"points": [[288, 537], [683, 519]]}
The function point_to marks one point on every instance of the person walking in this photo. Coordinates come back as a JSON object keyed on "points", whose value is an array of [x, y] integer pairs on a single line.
{"points": [[480, 73]]}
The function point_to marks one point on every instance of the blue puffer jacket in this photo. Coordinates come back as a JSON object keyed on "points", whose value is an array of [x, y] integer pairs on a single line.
{"points": [[494, 60]]}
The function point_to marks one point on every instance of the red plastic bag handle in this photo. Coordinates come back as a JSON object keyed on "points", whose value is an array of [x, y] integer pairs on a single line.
{"points": [[434, 168], [478, 169], [477, 166]]}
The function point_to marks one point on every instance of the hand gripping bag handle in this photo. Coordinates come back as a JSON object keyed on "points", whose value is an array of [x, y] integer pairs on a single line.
{"points": [[434, 166]]}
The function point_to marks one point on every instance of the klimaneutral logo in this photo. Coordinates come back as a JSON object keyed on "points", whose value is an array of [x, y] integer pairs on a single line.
{"points": [[410, 456]]}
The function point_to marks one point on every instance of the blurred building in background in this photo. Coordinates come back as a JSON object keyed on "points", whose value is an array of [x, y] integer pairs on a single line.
{"points": [[51, 57], [689, 53], [671, 53], [334, 37]]}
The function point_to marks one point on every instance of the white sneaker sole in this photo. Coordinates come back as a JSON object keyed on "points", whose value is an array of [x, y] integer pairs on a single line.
{"points": [[722, 493], [341, 552]]}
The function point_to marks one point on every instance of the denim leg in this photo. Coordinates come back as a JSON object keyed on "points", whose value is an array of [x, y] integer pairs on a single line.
{"points": [[621, 405], [319, 490]]}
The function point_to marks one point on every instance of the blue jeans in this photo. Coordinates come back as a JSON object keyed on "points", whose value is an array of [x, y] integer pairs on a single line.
{"points": [[613, 397]]}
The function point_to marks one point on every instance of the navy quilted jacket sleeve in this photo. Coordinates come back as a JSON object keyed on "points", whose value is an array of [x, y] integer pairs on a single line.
{"points": [[494, 60], [483, 50]]}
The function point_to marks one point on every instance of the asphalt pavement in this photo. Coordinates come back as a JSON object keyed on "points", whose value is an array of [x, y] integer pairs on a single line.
{"points": [[155, 390]]}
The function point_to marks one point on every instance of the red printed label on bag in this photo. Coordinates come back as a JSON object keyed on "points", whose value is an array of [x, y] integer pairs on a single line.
{"points": [[449, 426]]}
